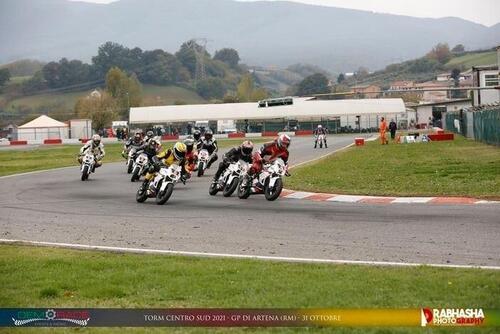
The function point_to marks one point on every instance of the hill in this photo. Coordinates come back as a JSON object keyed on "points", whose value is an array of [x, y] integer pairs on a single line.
{"points": [[472, 59], [265, 33]]}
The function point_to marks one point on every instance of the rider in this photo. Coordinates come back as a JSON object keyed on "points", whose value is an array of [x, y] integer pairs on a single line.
{"points": [[242, 152], [197, 138], [149, 135], [133, 143], [209, 143], [320, 130], [271, 151], [97, 149], [174, 155], [191, 155]]}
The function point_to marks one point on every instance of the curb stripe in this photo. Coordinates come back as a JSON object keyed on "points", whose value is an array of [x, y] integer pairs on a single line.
{"points": [[239, 256]]}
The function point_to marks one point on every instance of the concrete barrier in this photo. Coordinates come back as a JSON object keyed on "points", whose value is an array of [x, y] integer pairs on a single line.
{"points": [[18, 142], [109, 140], [290, 133], [52, 141], [71, 141], [253, 135], [221, 136]]}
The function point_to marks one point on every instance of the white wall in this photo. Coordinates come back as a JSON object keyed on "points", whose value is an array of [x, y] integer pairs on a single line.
{"points": [[42, 133]]}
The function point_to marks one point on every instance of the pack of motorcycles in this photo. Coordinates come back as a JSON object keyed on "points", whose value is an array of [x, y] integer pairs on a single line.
{"points": [[234, 179]]}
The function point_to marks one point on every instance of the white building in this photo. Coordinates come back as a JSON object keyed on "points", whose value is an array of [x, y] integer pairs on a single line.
{"points": [[351, 113], [485, 76], [424, 110], [42, 128]]}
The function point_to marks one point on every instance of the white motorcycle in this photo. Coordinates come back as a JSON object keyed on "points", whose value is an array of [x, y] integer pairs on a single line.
{"points": [[228, 181], [162, 185], [131, 156], [269, 181], [203, 159], [87, 167], [140, 164], [321, 138]]}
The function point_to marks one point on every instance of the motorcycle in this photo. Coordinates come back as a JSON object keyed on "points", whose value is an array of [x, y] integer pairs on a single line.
{"points": [[140, 164], [321, 138], [131, 156], [203, 159], [161, 186], [228, 181], [87, 167], [269, 181]]}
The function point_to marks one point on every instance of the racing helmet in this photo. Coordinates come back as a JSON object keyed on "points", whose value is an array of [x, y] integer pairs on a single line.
{"points": [[96, 140], [283, 141], [197, 135], [154, 144], [247, 147], [137, 137], [179, 150], [208, 134], [150, 134], [320, 126], [189, 142]]}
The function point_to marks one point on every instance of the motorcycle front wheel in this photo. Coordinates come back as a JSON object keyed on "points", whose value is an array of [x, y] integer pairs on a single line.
{"points": [[163, 196], [243, 191], [142, 193], [213, 189], [230, 188], [135, 174], [272, 193], [85, 172], [200, 169], [130, 166]]}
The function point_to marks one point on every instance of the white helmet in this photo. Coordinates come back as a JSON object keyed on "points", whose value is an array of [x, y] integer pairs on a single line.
{"points": [[320, 126], [96, 139]]}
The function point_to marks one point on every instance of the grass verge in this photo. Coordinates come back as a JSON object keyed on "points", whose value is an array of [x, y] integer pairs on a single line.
{"points": [[55, 156], [51, 277], [450, 168]]}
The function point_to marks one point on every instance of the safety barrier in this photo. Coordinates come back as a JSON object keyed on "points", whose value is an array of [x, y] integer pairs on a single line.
{"points": [[479, 123], [52, 141], [236, 135], [19, 142]]}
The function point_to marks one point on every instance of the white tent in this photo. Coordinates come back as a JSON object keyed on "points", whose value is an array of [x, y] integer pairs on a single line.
{"points": [[302, 108], [42, 128]]}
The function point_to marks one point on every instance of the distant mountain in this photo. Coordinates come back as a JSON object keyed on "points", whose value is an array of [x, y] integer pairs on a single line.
{"points": [[265, 33]]}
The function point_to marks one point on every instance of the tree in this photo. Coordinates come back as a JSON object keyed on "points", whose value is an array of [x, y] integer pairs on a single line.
{"points": [[314, 84], [187, 55], [112, 54], [210, 88], [101, 109], [228, 56], [34, 84], [459, 48], [162, 68], [124, 89], [455, 75], [440, 52], [245, 88], [341, 78], [4, 76]]}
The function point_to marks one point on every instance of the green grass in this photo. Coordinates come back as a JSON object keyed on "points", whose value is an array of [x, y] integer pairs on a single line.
{"points": [[474, 59], [54, 156], [451, 168], [168, 95], [65, 100], [48, 277]]}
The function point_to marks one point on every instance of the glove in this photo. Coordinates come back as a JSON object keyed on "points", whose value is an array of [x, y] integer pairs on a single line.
{"points": [[287, 173], [183, 179]]}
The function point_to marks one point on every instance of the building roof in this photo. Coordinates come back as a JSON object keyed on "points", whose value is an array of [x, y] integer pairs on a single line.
{"points": [[485, 67], [300, 109], [443, 102], [43, 122]]}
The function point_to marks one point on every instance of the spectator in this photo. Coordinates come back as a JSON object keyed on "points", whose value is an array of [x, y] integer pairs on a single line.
{"points": [[393, 127], [383, 129]]}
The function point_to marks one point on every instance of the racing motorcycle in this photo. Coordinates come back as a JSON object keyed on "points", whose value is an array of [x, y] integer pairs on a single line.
{"points": [[131, 156], [228, 181], [269, 181], [88, 164], [321, 138], [139, 168], [203, 158], [161, 186]]}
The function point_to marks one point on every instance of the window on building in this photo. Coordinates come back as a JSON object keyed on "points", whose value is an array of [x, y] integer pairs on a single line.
{"points": [[491, 80]]}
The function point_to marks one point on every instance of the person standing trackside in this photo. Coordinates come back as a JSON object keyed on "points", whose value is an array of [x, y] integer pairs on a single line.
{"points": [[383, 130], [392, 128]]}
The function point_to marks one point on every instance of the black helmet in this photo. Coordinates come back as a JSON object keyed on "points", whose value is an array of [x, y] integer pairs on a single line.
{"points": [[150, 134], [137, 137], [208, 134], [196, 135], [247, 147]]}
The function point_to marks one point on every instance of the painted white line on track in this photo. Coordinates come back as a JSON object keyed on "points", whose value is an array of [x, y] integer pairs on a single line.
{"points": [[413, 199], [239, 256], [347, 198], [299, 195]]}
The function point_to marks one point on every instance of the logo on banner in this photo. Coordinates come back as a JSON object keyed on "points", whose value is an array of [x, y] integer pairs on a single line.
{"points": [[452, 317], [51, 317]]}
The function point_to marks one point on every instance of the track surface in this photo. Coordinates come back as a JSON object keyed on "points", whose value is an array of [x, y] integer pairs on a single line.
{"points": [[55, 206]]}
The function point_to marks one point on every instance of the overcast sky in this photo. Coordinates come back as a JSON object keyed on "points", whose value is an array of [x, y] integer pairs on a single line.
{"points": [[486, 12]]}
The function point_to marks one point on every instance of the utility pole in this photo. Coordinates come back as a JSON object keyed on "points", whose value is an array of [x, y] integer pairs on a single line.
{"points": [[199, 46]]}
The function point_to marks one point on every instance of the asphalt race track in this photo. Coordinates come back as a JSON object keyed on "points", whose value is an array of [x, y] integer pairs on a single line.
{"points": [[55, 206]]}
